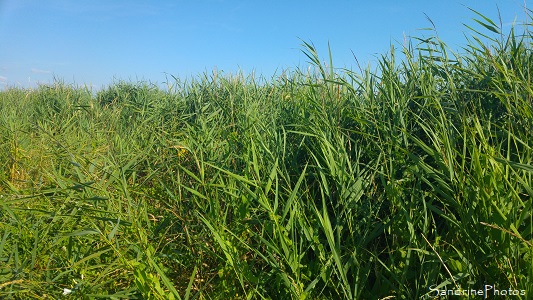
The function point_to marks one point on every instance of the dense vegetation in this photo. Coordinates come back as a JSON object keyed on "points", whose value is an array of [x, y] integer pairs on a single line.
{"points": [[330, 184]]}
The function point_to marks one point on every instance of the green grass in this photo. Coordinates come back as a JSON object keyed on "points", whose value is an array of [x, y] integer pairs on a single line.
{"points": [[330, 184]]}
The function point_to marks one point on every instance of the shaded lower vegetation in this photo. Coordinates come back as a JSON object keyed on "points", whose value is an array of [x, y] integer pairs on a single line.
{"points": [[324, 185]]}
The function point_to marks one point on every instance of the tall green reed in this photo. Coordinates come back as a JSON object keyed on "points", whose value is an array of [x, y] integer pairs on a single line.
{"points": [[328, 184]]}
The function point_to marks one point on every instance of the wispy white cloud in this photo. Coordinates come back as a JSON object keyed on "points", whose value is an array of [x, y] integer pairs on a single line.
{"points": [[39, 71], [111, 9], [3, 80], [223, 26]]}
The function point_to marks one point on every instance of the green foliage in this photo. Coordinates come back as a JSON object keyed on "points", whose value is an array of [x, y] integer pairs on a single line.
{"points": [[326, 184]]}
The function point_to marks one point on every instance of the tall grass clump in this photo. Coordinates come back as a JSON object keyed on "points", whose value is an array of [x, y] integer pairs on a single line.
{"points": [[405, 182]]}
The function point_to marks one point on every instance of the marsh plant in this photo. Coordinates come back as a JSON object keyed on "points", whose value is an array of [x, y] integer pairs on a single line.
{"points": [[398, 182]]}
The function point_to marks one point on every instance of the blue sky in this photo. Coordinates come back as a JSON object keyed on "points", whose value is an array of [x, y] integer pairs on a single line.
{"points": [[97, 42]]}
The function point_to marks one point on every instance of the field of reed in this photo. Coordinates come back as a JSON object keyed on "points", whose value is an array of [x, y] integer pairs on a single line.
{"points": [[413, 180]]}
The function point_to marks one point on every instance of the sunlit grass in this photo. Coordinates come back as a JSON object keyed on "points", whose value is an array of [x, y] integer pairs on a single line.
{"points": [[330, 184]]}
